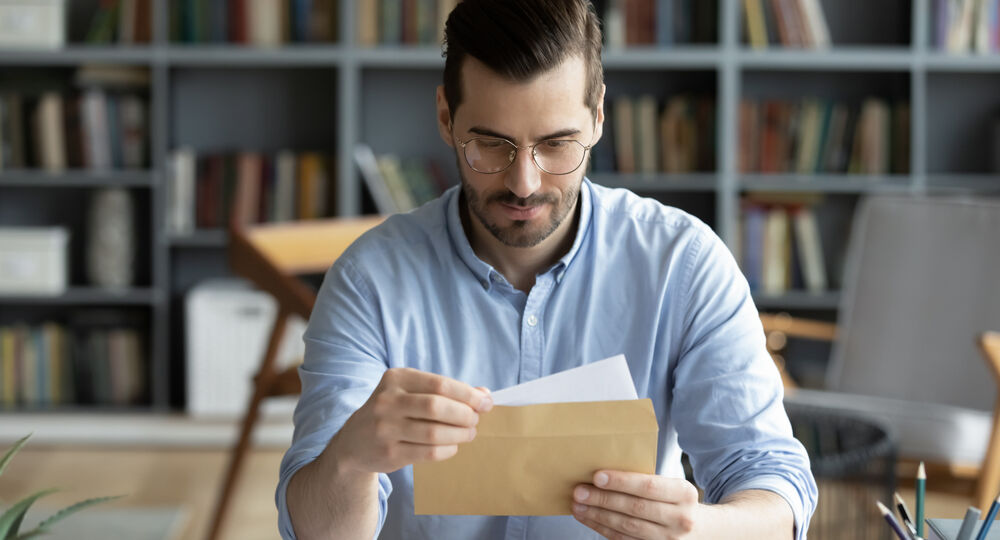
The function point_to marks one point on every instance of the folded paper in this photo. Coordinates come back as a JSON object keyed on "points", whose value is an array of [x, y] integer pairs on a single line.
{"points": [[525, 460]]}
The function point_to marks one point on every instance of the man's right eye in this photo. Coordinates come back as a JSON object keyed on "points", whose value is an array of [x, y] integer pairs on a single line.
{"points": [[491, 143]]}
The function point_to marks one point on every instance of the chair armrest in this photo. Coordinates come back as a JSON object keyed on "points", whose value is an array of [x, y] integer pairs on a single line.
{"points": [[797, 327], [989, 472]]}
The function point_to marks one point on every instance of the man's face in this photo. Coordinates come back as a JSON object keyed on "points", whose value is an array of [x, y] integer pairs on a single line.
{"points": [[522, 205]]}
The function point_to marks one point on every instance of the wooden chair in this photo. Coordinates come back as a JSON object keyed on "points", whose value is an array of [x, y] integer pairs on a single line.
{"points": [[918, 287], [271, 257]]}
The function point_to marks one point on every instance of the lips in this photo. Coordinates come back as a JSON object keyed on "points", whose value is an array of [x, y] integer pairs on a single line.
{"points": [[520, 213]]}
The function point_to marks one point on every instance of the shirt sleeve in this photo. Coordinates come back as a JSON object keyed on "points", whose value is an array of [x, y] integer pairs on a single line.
{"points": [[344, 361], [727, 393]]}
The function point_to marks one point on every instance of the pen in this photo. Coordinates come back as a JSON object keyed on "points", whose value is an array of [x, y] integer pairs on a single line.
{"points": [[968, 524], [989, 519], [921, 486], [892, 521], [905, 515]]}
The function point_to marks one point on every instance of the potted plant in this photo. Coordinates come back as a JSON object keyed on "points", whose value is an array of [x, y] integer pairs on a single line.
{"points": [[11, 519]]}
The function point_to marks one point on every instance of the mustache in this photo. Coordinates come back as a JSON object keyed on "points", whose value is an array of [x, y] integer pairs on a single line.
{"points": [[509, 198]]}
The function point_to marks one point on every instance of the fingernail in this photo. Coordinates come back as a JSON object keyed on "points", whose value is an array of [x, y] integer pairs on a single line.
{"points": [[581, 493], [579, 508], [472, 433], [485, 404], [600, 479]]}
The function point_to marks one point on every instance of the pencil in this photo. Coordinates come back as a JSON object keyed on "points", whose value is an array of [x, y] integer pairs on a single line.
{"points": [[892, 521], [904, 514], [921, 487], [968, 524], [989, 519]]}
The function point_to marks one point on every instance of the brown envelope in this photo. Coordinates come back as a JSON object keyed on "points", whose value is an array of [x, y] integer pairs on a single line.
{"points": [[526, 460]]}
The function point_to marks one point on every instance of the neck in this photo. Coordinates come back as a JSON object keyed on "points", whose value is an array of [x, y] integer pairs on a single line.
{"points": [[520, 265]]}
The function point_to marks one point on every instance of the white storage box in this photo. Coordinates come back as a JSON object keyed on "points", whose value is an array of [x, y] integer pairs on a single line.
{"points": [[33, 260], [228, 324], [39, 24]]}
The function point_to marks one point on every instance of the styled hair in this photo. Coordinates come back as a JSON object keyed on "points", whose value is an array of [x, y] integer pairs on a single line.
{"points": [[521, 39]]}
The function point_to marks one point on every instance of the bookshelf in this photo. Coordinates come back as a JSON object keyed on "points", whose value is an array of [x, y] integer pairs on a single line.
{"points": [[331, 96]]}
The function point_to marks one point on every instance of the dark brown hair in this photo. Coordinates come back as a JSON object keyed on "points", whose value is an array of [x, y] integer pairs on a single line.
{"points": [[520, 39]]}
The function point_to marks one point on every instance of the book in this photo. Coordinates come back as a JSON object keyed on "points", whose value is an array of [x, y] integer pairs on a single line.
{"points": [[648, 142], [50, 140], [810, 250], [367, 164], [181, 191], [624, 134], [753, 11]]}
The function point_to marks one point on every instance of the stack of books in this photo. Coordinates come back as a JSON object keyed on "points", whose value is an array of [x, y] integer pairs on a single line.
{"points": [[103, 125], [822, 136], [260, 23], [790, 23], [399, 185], [52, 365], [646, 135], [280, 187], [125, 22], [780, 245], [967, 26], [661, 23], [402, 22]]}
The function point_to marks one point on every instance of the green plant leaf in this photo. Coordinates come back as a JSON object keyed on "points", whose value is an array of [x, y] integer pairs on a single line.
{"points": [[10, 453], [33, 533], [10, 521], [69, 510]]}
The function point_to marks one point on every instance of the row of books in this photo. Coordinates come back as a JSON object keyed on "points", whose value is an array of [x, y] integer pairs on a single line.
{"points": [[280, 187], [791, 23], [967, 25], [402, 22], [126, 22], [646, 135], [399, 185], [262, 23], [822, 136], [52, 365], [95, 129], [781, 247], [658, 22]]}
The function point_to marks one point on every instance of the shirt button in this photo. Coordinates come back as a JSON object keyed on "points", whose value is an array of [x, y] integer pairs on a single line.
{"points": [[532, 320], [495, 277]]}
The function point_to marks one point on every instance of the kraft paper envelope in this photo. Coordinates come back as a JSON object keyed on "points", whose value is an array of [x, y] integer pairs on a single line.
{"points": [[526, 460]]}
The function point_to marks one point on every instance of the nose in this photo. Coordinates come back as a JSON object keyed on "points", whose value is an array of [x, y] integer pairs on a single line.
{"points": [[523, 178]]}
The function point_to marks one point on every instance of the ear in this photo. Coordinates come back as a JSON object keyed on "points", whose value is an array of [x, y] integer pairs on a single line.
{"points": [[444, 117], [600, 115]]}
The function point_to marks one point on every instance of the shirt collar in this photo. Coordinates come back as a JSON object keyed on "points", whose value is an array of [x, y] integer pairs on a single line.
{"points": [[485, 273]]}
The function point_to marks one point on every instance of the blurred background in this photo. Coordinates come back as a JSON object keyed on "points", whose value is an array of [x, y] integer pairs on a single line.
{"points": [[128, 341]]}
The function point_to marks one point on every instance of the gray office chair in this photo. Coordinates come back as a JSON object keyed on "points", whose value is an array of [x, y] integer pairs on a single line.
{"points": [[921, 286]]}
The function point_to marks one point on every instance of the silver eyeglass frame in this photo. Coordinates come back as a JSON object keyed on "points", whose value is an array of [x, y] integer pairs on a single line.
{"points": [[517, 148]]}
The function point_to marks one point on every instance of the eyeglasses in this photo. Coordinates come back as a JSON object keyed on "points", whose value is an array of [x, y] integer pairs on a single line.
{"points": [[491, 155]]}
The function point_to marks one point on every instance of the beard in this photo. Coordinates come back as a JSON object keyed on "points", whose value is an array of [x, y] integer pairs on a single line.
{"points": [[520, 233]]}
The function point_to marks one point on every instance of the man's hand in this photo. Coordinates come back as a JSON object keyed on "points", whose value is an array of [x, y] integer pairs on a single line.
{"points": [[622, 505], [412, 416]]}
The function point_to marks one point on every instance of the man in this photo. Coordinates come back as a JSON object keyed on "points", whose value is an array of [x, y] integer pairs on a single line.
{"points": [[527, 270]]}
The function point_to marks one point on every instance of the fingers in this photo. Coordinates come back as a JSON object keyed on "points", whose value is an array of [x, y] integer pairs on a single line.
{"points": [[437, 408], [421, 382], [617, 526], [432, 433], [648, 486], [409, 453], [654, 511]]}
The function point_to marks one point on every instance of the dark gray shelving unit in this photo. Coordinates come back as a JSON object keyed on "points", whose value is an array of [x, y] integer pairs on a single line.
{"points": [[330, 97]]}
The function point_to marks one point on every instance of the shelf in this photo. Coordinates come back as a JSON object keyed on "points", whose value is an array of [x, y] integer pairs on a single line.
{"points": [[835, 183], [829, 300], [403, 57], [77, 54], [76, 178], [220, 56], [140, 296], [979, 184], [970, 62], [687, 56], [658, 183], [211, 238], [838, 58]]}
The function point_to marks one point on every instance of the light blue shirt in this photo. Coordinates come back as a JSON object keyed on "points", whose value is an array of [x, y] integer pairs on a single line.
{"points": [[641, 279]]}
